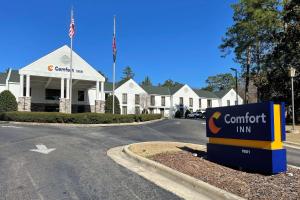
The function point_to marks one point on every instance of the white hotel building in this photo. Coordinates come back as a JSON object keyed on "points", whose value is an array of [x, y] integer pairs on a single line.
{"points": [[43, 86]]}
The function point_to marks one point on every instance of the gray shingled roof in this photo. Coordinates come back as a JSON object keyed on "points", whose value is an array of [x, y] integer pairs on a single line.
{"points": [[174, 89], [222, 93], [3, 78], [156, 90], [108, 86], [205, 93], [14, 76]]}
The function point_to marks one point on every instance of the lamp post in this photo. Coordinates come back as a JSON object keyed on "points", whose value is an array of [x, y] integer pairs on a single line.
{"points": [[236, 84], [292, 74]]}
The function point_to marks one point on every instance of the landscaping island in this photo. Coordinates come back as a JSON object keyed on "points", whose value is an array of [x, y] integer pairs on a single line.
{"points": [[191, 159], [77, 118]]}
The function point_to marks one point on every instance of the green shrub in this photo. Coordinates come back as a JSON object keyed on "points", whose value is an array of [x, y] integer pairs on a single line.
{"points": [[8, 102], [186, 113], [78, 118], [177, 114], [109, 103]]}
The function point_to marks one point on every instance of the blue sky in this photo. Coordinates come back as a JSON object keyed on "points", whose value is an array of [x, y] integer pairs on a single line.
{"points": [[169, 39]]}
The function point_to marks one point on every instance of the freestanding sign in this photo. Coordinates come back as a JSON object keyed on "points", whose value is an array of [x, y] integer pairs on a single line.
{"points": [[248, 136]]}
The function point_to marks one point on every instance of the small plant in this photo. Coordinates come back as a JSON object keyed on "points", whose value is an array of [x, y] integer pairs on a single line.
{"points": [[8, 102], [186, 113], [177, 114]]}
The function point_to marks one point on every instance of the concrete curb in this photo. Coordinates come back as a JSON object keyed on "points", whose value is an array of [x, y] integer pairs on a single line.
{"points": [[206, 189], [292, 145], [293, 166], [81, 125]]}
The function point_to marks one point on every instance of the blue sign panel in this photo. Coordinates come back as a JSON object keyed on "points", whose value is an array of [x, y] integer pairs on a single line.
{"points": [[249, 122], [251, 159]]}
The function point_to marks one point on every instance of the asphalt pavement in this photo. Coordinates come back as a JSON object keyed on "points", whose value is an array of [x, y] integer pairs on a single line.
{"points": [[79, 168]]}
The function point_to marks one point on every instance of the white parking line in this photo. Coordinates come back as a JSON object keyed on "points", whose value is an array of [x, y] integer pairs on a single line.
{"points": [[204, 123]]}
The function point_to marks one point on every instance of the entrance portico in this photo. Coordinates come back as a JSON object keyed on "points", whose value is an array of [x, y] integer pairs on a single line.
{"points": [[44, 85]]}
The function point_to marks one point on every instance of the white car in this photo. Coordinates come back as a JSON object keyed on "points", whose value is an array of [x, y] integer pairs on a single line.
{"points": [[197, 114]]}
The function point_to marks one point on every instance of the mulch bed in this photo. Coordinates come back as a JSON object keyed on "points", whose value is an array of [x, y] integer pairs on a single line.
{"points": [[247, 185]]}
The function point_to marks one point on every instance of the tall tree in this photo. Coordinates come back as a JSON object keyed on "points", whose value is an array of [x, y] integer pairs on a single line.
{"points": [[146, 81], [127, 73], [220, 82], [252, 34], [286, 54], [170, 83]]}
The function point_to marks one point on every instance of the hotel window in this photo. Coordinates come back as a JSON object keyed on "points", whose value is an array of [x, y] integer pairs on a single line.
{"points": [[209, 103], [228, 102], [152, 100], [191, 102], [236, 103], [137, 110], [124, 109], [163, 101], [52, 94], [200, 105], [181, 100], [80, 95], [137, 99], [124, 98]]}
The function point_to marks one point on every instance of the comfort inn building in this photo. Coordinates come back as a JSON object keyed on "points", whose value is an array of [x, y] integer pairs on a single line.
{"points": [[44, 84]]}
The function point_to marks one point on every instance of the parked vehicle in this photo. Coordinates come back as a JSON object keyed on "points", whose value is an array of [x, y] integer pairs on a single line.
{"points": [[196, 115]]}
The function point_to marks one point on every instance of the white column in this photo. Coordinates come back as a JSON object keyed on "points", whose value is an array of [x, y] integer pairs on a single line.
{"points": [[27, 85], [102, 91], [68, 90], [97, 90], [62, 88], [21, 92]]}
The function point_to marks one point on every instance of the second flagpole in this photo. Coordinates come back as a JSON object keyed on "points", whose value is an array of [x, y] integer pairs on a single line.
{"points": [[114, 65]]}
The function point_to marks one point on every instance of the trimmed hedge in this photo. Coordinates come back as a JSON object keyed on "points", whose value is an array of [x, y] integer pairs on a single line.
{"points": [[78, 118], [8, 102]]}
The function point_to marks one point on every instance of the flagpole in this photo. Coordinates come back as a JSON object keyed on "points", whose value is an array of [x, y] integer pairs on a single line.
{"points": [[114, 69], [71, 66]]}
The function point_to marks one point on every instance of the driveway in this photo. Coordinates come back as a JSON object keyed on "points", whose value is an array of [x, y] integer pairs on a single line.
{"points": [[79, 167]]}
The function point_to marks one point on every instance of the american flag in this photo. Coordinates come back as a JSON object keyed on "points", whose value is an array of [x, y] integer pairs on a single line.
{"points": [[114, 45], [72, 26]]}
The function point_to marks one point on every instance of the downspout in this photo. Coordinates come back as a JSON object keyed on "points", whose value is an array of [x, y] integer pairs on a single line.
{"points": [[7, 79]]}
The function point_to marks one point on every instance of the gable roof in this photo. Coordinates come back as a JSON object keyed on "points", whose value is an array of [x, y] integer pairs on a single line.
{"points": [[222, 93], [108, 86], [156, 90], [175, 88], [14, 76], [205, 93], [57, 63], [3, 78]]}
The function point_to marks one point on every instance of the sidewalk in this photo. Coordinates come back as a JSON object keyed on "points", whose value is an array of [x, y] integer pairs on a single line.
{"points": [[291, 138]]}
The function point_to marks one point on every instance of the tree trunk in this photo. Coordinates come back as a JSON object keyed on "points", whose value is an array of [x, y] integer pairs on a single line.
{"points": [[258, 71], [247, 75]]}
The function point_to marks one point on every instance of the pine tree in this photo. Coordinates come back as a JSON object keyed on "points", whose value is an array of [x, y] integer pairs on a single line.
{"points": [[109, 105], [127, 73], [146, 81]]}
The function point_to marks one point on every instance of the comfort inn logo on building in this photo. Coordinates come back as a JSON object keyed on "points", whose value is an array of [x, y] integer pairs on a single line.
{"points": [[63, 69]]}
